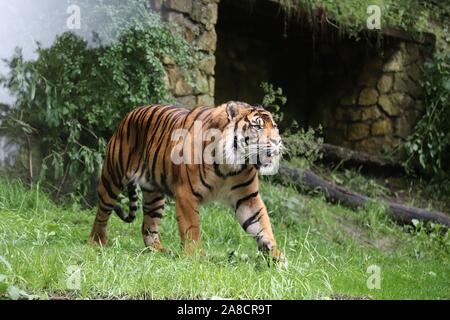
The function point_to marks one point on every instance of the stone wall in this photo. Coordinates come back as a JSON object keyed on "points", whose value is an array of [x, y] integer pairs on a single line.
{"points": [[381, 105], [196, 20]]}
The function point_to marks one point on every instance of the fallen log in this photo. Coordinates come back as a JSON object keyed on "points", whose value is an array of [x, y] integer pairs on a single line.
{"points": [[351, 158], [307, 180]]}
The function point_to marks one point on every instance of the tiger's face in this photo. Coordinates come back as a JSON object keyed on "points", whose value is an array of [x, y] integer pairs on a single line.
{"points": [[252, 138]]}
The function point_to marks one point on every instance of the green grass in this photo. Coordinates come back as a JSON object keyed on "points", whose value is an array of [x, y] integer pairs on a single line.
{"points": [[329, 250]]}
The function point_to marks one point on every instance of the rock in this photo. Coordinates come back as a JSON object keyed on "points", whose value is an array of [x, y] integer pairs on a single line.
{"points": [[182, 88], [168, 61], [205, 14], [208, 64], [388, 106], [393, 103], [167, 80], [403, 83], [402, 127], [177, 82], [413, 116], [188, 29], [385, 83], [205, 100], [368, 96], [347, 114], [184, 6], [207, 41], [395, 63], [415, 72], [357, 131], [212, 86], [370, 145], [381, 128], [187, 101], [201, 84], [370, 113], [173, 74]]}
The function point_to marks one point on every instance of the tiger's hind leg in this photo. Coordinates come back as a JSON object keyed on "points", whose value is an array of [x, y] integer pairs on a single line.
{"points": [[153, 207], [108, 193]]}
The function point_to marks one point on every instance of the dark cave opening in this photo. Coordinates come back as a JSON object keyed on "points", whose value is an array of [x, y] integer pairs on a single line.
{"points": [[258, 42]]}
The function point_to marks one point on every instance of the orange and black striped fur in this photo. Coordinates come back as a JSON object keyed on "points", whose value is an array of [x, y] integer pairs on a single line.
{"points": [[139, 153]]}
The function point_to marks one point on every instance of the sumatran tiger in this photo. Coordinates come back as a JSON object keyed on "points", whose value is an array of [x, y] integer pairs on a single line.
{"points": [[167, 152]]}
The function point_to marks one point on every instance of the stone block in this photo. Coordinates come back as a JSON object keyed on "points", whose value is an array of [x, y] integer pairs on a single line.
{"points": [[205, 100], [207, 41], [368, 96], [381, 128], [385, 83], [184, 6], [358, 131], [370, 113]]}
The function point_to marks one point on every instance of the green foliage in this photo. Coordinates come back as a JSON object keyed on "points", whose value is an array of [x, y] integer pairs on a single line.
{"points": [[304, 147], [303, 144], [74, 95], [429, 146], [273, 100], [350, 16], [353, 180]]}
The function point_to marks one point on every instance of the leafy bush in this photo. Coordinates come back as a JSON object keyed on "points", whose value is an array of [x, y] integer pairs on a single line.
{"points": [[350, 16], [429, 146], [73, 96], [303, 144]]}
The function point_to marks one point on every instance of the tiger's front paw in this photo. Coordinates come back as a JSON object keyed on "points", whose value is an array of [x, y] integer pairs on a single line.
{"points": [[278, 257], [98, 237], [274, 255], [158, 247], [192, 248]]}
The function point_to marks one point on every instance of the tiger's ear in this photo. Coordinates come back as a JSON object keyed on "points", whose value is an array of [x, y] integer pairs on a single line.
{"points": [[232, 110]]}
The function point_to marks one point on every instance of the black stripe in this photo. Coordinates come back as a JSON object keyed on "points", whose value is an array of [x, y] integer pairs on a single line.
{"points": [[154, 213], [202, 179], [253, 219], [104, 209], [111, 169], [135, 114], [133, 208], [158, 122], [104, 203], [108, 189], [146, 131], [163, 176], [120, 167], [160, 140], [248, 197], [195, 193], [152, 202], [245, 184], [217, 171], [101, 220]]}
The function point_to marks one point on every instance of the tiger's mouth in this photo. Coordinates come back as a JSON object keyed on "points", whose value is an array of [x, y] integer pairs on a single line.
{"points": [[266, 160]]}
